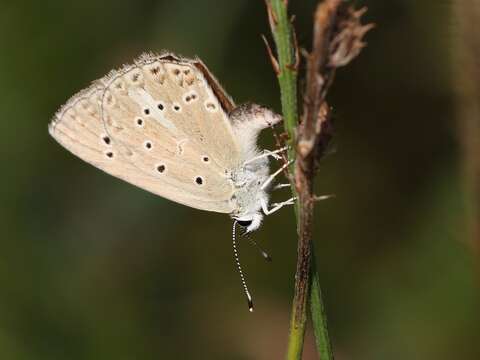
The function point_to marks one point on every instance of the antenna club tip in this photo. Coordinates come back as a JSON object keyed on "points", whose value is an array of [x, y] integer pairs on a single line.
{"points": [[250, 303]]}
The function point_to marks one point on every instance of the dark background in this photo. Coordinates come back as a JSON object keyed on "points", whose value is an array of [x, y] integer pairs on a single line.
{"points": [[94, 268]]}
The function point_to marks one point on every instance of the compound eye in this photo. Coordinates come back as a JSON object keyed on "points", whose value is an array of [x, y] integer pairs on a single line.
{"points": [[244, 223]]}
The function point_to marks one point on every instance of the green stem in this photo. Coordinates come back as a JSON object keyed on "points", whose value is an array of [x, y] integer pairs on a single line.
{"points": [[319, 318], [287, 77]]}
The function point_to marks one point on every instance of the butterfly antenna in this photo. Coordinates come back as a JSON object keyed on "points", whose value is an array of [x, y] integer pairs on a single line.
{"points": [[259, 248], [239, 267]]}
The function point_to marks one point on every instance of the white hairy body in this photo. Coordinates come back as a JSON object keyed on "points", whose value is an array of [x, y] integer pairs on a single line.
{"points": [[165, 124]]}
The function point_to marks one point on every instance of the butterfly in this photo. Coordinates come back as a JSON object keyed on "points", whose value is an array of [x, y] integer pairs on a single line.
{"points": [[166, 125]]}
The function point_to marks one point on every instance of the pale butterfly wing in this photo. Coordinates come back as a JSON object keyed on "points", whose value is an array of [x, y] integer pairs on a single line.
{"points": [[159, 124], [78, 127], [169, 123]]}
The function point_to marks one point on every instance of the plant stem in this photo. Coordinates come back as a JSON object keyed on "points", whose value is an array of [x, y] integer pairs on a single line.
{"points": [[287, 68], [287, 75], [319, 317], [337, 39]]}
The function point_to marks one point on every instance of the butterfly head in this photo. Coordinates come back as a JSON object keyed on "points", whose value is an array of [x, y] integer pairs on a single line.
{"points": [[250, 222]]}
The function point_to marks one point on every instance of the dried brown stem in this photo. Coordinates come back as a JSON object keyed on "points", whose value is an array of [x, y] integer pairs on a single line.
{"points": [[319, 75], [337, 39], [273, 60]]}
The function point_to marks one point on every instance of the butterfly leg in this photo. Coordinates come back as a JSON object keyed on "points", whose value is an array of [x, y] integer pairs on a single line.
{"points": [[275, 174], [276, 206], [267, 153], [291, 201], [323, 197], [281, 186]]}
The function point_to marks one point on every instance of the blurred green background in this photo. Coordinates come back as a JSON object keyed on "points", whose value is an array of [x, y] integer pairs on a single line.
{"points": [[94, 268]]}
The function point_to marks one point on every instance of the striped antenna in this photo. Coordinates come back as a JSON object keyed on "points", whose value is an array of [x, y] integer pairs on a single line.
{"points": [[239, 267]]}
